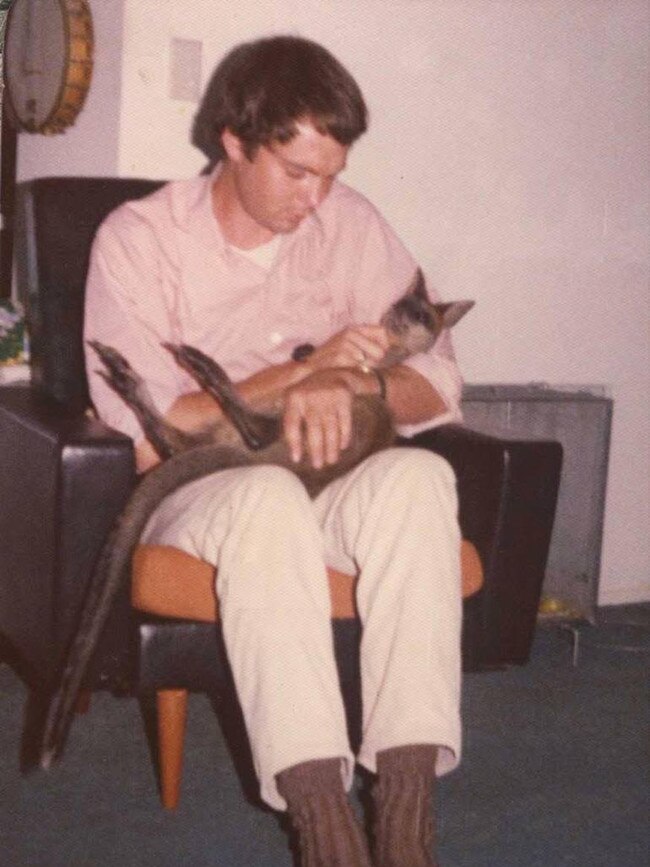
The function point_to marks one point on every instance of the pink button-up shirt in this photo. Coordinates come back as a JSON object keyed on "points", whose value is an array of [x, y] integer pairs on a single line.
{"points": [[161, 270]]}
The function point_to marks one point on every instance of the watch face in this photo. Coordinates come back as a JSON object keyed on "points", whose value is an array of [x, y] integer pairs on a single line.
{"points": [[48, 62]]}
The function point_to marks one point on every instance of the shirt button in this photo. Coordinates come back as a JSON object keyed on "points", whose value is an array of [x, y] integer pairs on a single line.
{"points": [[276, 338]]}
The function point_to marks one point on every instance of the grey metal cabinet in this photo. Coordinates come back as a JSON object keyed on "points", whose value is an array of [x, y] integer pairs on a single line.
{"points": [[581, 421]]}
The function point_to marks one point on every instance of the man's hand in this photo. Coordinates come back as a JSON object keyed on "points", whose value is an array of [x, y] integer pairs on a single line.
{"points": [[318, 417], [362, 344], [318, 409]]}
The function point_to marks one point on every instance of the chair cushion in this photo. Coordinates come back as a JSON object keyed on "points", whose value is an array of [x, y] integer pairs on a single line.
{"points": [[168, 582]]}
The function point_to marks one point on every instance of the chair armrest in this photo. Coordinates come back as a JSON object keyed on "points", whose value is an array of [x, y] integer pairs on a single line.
{"points": [[507, 498], [65, 478]]}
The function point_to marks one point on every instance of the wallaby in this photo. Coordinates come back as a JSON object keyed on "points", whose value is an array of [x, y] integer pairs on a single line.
{"points": [[246, 436]]}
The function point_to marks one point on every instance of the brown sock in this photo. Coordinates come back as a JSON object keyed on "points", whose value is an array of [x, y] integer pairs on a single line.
{"points": [[329, 834], [403, 797]]}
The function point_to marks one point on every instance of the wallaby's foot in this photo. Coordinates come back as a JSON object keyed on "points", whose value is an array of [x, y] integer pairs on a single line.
{"points": [[256, 429], [120, 375], [200, 366]]}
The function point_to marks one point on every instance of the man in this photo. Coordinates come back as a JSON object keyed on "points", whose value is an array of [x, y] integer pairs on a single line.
{"points": [[264, 253]]}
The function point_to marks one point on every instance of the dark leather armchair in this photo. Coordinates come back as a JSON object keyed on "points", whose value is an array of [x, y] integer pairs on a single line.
{"points": [[65, 477]]}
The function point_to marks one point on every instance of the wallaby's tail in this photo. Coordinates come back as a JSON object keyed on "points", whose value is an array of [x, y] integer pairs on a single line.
{"points": [[105, 582], [111, 571]]}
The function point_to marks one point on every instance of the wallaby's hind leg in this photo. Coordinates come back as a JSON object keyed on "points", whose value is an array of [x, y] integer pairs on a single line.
{"points": [[165, 438], [256, 429]]}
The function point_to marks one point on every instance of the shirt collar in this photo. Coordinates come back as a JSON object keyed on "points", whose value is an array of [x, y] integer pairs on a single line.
{"points": [[199, 220], [197, 217]]}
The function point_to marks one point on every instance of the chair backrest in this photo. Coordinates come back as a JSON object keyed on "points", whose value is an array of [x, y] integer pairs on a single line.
{"points": [[55, 223]]}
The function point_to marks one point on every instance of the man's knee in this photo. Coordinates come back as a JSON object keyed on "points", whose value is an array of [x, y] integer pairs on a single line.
{"points": [[273, 486], [413, 465]]}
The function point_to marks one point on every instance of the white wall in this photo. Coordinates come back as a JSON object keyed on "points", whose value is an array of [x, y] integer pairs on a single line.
{"points": [[508, 147]]}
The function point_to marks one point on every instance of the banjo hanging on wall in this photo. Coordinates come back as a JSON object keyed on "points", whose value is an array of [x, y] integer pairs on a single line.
{"points": [[48, 62]]}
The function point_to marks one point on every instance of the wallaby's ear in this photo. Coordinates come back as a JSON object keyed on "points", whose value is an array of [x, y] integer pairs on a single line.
{"points": [[418, 286], [453, 311]]}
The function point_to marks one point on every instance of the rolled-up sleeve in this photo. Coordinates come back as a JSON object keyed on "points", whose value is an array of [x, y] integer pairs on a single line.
{"points": [[126, 308], [384, 269], [439, 367]]}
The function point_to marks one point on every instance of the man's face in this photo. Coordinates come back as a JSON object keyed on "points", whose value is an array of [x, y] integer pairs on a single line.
{"points": [[284, 183]]}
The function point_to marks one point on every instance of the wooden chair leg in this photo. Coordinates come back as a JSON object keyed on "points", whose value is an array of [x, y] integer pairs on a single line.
{"points": [[83, 702], [172, 713]]}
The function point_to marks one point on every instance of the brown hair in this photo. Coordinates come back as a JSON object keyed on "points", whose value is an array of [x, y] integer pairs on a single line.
{"points": [[260, 89]]}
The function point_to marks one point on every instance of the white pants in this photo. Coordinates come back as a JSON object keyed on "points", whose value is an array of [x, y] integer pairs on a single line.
{"points": [[394, 519]]}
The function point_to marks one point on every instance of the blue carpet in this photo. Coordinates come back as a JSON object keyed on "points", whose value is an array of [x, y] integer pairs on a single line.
{"points": [[555, 772]]}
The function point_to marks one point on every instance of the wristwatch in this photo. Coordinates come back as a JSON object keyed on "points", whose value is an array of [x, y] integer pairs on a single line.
{"points": [[300, 353]]}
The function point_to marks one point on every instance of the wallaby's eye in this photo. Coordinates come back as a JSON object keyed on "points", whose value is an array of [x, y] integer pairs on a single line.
{"points": [[414, 311]]}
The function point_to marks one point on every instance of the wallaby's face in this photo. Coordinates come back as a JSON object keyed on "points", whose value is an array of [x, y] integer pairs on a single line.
{"points": [[415, 323]]}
